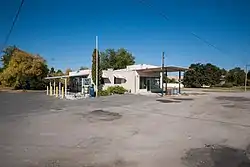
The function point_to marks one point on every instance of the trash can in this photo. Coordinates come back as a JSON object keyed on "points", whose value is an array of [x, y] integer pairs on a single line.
{"points": [[91, 92]]}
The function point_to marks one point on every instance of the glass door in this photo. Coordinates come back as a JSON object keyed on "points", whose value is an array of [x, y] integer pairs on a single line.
{"points": [[148, 84]]}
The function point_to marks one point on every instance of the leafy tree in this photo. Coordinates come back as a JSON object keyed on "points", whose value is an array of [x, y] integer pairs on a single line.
{"points": [[202, 74], [59, 72], [24, 71], [84, 68], [93, 71], [116, 59], [7, 54], [223, 72], [236, 76], [68, 70], [52, 71], [169, 80]]}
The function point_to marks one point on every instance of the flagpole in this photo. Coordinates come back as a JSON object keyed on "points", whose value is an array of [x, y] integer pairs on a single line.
{"points": [[97, 58]]}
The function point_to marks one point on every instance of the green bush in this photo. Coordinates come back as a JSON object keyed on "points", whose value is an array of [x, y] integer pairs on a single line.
{"points": [[103, 93], [116, 90], [228, 85]]}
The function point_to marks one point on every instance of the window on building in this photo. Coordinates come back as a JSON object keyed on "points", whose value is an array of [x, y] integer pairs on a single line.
{"points": [[106, 80], [117, 80], [143, 83]]}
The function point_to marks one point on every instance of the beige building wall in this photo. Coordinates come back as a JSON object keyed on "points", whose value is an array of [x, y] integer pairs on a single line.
{"points": [[128, 79], [131, 81]]}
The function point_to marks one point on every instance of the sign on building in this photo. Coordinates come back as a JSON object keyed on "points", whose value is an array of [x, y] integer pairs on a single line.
{"points": [[86, 81]]}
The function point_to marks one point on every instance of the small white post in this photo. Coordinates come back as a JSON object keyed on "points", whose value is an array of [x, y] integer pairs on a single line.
{"points": [[82, 87], [65, 86], [60, 88], [54, 87], [50, 88]]}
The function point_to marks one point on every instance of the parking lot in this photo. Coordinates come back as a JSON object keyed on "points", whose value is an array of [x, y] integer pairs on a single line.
{"points": [[211, 130]]}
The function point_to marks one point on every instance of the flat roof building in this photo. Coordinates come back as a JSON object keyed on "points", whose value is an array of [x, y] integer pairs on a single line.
{"points": [[139, 78]]}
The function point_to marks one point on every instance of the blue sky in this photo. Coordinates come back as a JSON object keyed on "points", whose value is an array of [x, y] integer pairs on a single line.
{"points": [[64, 31]]}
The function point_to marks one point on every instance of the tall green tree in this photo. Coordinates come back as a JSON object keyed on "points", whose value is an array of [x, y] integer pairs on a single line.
{"points": [[93, 69], [83, 68], [169, 80], [116, 59], [236, 76], [67, 71], [59, 72], [223, 72], [7, 54], [52, 71], [202, 74]]}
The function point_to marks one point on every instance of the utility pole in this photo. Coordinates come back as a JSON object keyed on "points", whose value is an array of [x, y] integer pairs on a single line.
{"points": [[162, 72], [166, 85], [246, 77], [97, 65]]}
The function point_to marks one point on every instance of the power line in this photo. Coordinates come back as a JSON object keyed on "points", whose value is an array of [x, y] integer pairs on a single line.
{"points": [[160, 13], [13, 24], [192, 33]]}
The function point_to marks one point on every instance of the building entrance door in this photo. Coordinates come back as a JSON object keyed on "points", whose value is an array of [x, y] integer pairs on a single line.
{"points": [[148, 84]]}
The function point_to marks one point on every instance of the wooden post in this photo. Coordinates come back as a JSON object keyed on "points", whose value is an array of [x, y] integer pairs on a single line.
{"points": [[62, 92], [50, 89], [82, 86], [56, 91], [65, 84], [60, 88]]}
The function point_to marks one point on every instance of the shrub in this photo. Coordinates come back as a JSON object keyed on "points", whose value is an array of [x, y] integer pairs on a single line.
{"points": [[116, 90], [103, 93], [228, 85]]}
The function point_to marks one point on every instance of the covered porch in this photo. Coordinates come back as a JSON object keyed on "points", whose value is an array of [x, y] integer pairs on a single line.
{"points": [[151, 80], [68, 85], [57, 85]]}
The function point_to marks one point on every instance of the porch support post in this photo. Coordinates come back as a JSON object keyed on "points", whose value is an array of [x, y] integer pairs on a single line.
{"points": [[47, 89], [82, 87], [60, 88], [161, 80], [54, 88], [179, 82], [65, 86], [50, 88]]}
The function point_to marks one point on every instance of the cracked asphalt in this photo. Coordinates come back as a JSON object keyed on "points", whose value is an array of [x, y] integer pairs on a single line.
{"points": [[121, 131]]}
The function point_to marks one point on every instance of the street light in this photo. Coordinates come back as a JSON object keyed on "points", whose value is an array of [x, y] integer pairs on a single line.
{"points": [[246, 77]]}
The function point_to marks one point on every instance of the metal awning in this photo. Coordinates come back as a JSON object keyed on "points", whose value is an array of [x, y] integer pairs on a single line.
{"points": [[119, 76], [168, 69], [57, 77]]}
